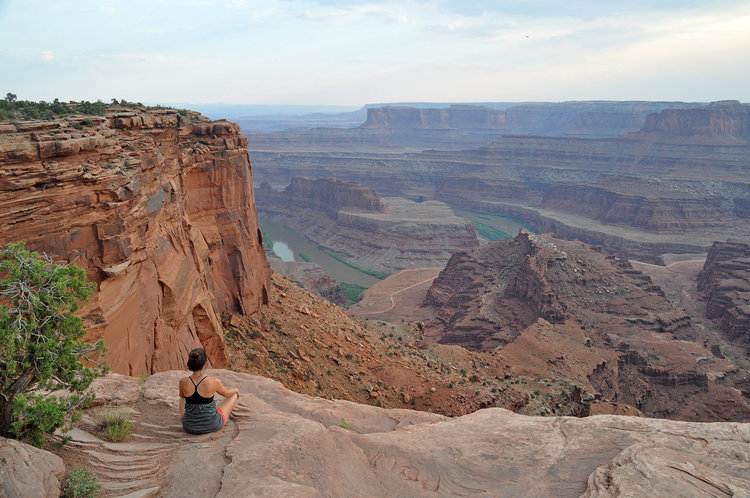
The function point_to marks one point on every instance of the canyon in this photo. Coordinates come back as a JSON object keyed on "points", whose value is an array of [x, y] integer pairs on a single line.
{"points": [[354, 222], [629, 342], [158, 206], [666, 188]]}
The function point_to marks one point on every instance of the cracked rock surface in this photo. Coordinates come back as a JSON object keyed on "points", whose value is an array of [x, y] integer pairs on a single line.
{"points": [[280, 443]]}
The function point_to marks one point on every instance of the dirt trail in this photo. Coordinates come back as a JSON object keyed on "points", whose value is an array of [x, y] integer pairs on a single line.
{"points": [[379, 298], [670, 265]]}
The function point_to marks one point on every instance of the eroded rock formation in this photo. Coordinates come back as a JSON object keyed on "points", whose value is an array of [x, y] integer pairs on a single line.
{"points": [[158, 208], [351, 220], [280, 443], [725, 122], [467, 117], [725, 285], [494, 296], [675, 186]]}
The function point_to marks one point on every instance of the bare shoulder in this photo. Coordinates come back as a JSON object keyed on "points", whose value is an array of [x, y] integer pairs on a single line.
{"points": [[214, 381], [183, 384]]}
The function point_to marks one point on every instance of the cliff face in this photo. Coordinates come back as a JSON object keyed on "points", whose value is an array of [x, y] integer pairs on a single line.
{"points": [[640, 206], [725, 285], [467, 117], [328, 194], [554, 307], [159, 210], [720, 122], [352, 220]]}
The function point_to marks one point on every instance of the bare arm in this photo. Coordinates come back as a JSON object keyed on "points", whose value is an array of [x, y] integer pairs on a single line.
{"points": [[224, 391], [182, 401]]}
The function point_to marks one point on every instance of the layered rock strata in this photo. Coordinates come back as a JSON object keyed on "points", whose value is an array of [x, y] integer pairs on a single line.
{"points": [[158, 208], [699, 156], [468, 117], [280, 443], [725, 285], [725, 122], [387, 234], [493, 296]]}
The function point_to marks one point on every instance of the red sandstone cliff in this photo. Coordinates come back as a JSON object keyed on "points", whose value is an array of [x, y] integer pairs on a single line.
{"points": [[159, 210]]}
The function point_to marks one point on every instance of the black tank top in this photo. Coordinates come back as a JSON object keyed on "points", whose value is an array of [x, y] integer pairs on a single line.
{"points": [[195, 398]]}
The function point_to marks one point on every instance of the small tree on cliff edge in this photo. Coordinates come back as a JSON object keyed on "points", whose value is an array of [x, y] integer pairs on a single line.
{"points": [[41, 345]]}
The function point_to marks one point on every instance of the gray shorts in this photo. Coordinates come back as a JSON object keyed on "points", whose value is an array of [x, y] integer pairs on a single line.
{"points": [[202, 419]]}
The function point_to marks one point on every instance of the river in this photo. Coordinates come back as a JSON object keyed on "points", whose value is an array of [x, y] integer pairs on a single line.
{"points": [[292, 245]]}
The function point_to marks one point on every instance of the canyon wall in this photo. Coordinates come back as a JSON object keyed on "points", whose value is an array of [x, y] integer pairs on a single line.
{"points": [[724, 122], [642, 193], [352, 221], [639, 206], [468, 117], [603, 322], [158, 208], [725, 285]]}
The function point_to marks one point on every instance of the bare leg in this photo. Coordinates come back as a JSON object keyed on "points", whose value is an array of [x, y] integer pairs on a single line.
{"points": [[227, 405]]}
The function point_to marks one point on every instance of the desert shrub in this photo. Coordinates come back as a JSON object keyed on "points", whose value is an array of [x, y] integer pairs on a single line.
{"points": [[81, 482], [352, 291], [41, 344], [114, 423]]}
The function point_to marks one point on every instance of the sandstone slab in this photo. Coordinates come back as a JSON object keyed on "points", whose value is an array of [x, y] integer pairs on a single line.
{"points": [[280, 443], [27, 471]]}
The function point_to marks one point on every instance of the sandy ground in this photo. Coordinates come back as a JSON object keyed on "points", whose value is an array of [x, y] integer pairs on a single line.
{"points": [[397, 297]]}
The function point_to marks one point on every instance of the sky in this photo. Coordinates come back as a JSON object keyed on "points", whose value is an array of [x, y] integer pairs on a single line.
{"points": [[351, 52]]}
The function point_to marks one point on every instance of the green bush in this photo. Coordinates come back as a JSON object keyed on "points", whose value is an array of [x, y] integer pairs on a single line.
{"points": [[41, 344], [81, 482], [489, 232], [352, 291], [114, 423], [377, 274]]}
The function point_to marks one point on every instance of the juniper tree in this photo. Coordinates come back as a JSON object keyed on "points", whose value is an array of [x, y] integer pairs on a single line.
{"points": [[41, 343]]}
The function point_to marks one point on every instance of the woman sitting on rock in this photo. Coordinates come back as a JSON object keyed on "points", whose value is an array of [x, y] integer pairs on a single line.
{"points": [[197, 405]]}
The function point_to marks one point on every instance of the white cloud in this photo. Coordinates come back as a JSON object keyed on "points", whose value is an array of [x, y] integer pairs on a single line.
{"points": [[47, 55]]}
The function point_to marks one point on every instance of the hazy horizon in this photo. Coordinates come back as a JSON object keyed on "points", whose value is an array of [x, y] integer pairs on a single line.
{"points": [[336, 53]]}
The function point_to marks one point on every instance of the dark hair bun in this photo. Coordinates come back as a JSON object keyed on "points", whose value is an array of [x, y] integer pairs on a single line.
{"points": [[197, 359]]}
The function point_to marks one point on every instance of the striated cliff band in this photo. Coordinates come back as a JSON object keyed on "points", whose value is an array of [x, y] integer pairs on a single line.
{"points": [[158, 207], [609, 325], [353, 221], [641, 195], [725, 285]]}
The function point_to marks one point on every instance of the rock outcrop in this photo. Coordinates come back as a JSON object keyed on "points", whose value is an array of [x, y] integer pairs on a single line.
{"points": [[158, 208], [725, 122], [725, 285], [386, 234], [311, 276], [28, 471], [466, 117], [537, 289], [279, 443], [637, 203]]}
